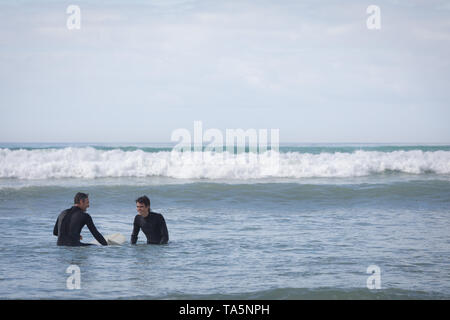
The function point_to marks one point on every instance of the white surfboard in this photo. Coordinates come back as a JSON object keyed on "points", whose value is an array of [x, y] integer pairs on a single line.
{"points": [[112, 239]]}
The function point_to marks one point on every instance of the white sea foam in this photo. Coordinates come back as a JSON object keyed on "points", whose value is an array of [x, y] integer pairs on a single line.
{"points": [[93, 163]]}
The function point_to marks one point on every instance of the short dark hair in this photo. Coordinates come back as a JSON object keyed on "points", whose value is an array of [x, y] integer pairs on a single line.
{"points": [[80, 196], [144, 200]]}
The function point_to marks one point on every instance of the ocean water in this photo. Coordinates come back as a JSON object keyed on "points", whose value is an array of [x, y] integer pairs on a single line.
{"points": [[305, 227]]}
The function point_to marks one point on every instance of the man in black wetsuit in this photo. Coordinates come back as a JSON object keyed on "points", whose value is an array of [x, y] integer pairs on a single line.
{"points": [[70, 222], [152, 224]]}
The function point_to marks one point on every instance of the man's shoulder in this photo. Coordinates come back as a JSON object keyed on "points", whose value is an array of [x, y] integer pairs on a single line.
{"points": [[65, 211], [81, 213], [159, 215]]}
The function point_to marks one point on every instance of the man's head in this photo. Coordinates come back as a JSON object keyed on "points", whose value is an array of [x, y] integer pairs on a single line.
{"points": [[143, 205], [81, 201]]}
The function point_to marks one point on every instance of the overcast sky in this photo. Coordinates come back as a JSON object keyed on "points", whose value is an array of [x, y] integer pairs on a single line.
{"points": [[137, 70]]}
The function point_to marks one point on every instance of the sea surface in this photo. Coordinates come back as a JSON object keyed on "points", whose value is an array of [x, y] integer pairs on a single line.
{"points": [[302, 221]]}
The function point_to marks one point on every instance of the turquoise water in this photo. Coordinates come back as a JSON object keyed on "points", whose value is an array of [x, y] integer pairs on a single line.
{"points": [[313, 148], [307, 231]]}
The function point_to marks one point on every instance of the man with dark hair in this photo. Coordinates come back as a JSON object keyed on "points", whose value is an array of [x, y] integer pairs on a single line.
{"points": [[70, 222], [152, 223]]}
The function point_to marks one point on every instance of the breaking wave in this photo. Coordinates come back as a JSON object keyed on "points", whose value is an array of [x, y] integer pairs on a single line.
{"points": [[89, 163]]}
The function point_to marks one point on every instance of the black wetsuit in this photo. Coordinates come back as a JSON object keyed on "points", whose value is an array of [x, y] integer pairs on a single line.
{"points": [[153, 226], [68, 228]]}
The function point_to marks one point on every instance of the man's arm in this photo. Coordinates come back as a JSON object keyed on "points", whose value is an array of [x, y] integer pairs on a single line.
{"points": [[97, 235], [55, 229], [134, 234], [164, 232]]}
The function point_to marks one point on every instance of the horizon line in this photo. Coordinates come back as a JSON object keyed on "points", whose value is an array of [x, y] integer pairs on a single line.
{"points": [[172, 142]]}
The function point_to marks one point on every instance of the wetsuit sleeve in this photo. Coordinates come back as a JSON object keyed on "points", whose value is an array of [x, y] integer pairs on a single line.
{"points": [[134, 234], [55, 229], [97, 235], [164, 232]]}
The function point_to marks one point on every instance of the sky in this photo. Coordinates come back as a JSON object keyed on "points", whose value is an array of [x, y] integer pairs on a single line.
{"points": [[136, 71]]}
